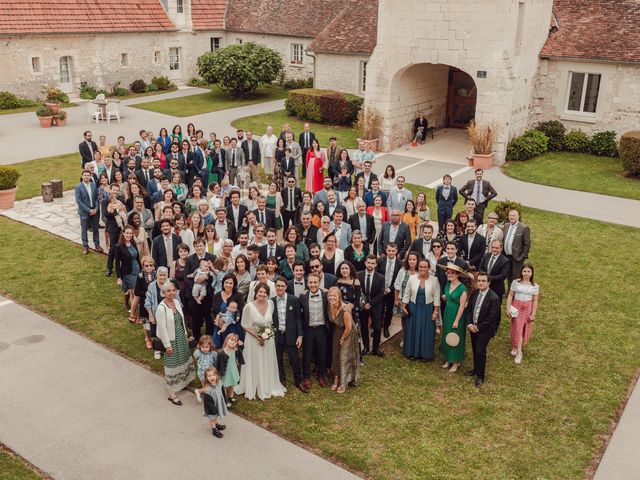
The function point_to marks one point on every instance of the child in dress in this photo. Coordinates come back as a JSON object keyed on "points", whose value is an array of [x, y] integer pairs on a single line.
{"points": [[200, 280], [212, 395], [227, 363], [205, 355], [219, 270], [230, 315]]}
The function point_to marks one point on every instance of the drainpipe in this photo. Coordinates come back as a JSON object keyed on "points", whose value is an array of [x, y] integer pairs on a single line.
{"points": [[306, 52]]}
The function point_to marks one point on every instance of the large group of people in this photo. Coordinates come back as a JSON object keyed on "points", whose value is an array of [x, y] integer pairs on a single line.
{"points": [[218, 267]]}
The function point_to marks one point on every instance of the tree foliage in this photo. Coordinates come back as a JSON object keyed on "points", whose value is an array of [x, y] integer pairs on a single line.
{"points": [[240, 69]]}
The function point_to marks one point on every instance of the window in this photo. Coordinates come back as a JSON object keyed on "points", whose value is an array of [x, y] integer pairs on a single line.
{"points": [[583, 92], [239, 41], [174, 58], [215, 43], [124, 59], [363, 76], [180, 6], [296, 53], [156, 56], [36, 65]]}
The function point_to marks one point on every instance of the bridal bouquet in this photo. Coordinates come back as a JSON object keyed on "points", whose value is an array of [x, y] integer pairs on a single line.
{"points": [[265, 331]]}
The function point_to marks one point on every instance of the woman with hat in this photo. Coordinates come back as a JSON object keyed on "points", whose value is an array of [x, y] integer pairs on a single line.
{"points": [[452, 341]]}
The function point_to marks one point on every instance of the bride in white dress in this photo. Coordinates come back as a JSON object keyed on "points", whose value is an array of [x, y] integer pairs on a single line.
{"points": [[259, 375]]}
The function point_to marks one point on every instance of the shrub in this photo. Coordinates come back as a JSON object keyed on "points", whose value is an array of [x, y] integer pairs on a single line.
{"points": [[61, 115], [554, 130], [576, 141], [151, 87], [8, 101], [295, 84], [120, 92], [88, 92], [503, 208], [163, 83], [56, 95], [325, 106], [630, 152], [26, 102], [240, 69], [531, 144], [138, 86], [604, 144], [197, 82], [369, 123], [481, 138], [44, 111], [8, 177]]}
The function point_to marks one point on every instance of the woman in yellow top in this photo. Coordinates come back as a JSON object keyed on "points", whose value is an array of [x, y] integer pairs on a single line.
{"points": [[411, 218]]}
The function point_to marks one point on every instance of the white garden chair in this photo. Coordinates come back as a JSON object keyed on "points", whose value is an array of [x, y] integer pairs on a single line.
{"points": [[94, 112], [113, 111], [100, 96]]}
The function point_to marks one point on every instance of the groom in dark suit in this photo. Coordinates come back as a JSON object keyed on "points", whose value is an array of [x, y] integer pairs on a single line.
{"points": [[482, 317], [315, 324], [287, 322]]}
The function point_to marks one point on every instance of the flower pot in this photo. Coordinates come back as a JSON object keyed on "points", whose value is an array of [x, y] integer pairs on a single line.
{"points": [[373, 143], [7, 198], [45, 122], [61, 122], [53, 106], [484, 162]]}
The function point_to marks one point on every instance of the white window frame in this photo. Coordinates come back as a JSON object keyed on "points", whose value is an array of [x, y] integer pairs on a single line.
{"points": [[213, 46], [174, 60], [581, 112], [297, 54], [124, 59], [38, 58], [363, 76], [179, 6]]}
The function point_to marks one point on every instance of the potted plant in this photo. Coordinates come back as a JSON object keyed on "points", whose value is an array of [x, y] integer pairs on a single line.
{"points": [[61, 118], [45, 115], [8, 180], [369, 123], [54, 97], [482, 144]]}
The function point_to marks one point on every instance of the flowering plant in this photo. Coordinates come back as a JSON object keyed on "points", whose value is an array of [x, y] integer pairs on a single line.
{"points": [[265, 331]]}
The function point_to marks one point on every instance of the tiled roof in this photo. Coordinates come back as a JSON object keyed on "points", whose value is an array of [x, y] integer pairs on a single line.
{"points": [[207, 14], [296, 18], [605, 30], [354, 30], [82, 16]]}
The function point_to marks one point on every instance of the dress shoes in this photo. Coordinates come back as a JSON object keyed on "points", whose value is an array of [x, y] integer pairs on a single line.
{"points": [[386, 333], [108, 273], [365, 351], [379, 353], [99, 249], [479, 382], [303, 388], [469, 373], [85, 250]]}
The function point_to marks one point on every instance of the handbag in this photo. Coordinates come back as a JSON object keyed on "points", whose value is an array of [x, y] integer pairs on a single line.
{"points": [[362, 301], [158, 346]]}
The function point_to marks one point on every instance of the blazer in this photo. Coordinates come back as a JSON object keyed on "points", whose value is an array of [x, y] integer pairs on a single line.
{"points": [[124, 260], [293, 319], [291, 286], [306, 137], [288, 165], [85, 151], [296, 152], [215, 160], [150, 185], [328, 281], [304, 309], [377, 289], [158, 251], [447, 205], [489, 315], [85, 201], [321, 196], [182, 165], [521, 241], [254, 145], [165, 325], [431, 287], [441, 273], [499, 272], [242, 211], [310, 237], [372, 177], [111, 175], [166, 143], [189, 164], [403, 238], [269, 217], [345, 235], [370, 196], [228, 157], [354, 221], [264, 250], [193, 262], [297, 197], [417, 246], [232, 233], [487, 190], [473, 255], [384, 212], [392, 199], [382, 269], [333, 157], [110, 224]]}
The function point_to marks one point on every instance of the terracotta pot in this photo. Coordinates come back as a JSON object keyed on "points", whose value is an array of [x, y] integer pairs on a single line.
{"points": [[53, 106], [45, 122], [373, 143], [484, 162], [61, 122], [7, 198]]}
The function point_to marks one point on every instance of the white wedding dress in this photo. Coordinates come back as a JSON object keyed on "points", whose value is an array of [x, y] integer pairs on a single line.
{"points": [[259, 375]]}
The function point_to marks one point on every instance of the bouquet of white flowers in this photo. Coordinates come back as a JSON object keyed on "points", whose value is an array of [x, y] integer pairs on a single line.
{"points": [[265, 331]]}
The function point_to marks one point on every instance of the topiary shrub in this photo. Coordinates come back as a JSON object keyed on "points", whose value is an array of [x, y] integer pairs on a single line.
{"points": [[8, 177], [9, 101], [138, 86], [531, 144], [325, 106], [577, 141], [554, 130], [163, 83], [630, 152], [503, 208], [604, 144]]}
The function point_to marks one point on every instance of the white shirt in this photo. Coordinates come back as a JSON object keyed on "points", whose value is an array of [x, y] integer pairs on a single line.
{"points": [[298, 286], [281, 302], [393, 232], [477, 192], [508, 241], [316, 315]]}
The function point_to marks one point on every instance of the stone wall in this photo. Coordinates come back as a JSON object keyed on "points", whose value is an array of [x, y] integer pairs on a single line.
{"points": [[618, 105], [340, 72]]}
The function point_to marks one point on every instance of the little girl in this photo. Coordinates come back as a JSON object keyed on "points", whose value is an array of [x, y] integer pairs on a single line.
{"points": [[218, 271], [213, 399], [205, 355], [229, 358]]}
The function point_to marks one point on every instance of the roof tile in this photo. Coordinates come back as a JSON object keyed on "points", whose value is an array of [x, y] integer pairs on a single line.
{"points": [[207, 14]]}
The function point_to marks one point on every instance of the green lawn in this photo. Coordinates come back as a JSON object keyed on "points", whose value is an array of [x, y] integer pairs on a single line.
{"points": [[577, 171], [144, 94], [543, 419], [35, 172], [210, 102], [13, 468], [347, 136], [33, 109]]}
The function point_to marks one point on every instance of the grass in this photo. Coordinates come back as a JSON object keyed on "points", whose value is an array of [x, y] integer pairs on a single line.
{"points": [[35, 172], [33, 109], [144, 94], [544, 419], [347, 136], [210, 102], [13, 468], [577, 171]]}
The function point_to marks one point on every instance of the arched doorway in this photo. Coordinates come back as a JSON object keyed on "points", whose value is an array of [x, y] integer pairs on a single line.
{"points": [[461, 99]]}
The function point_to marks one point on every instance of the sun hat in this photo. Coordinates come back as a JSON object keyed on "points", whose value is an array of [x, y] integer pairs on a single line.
{"points": [[454, 267], [452, 339]]}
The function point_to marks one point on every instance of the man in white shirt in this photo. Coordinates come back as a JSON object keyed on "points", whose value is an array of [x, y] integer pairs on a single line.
{"points": [[398, 196], [341, 230], [241, 247], [389, 266], [297, 285], [267, 147]]}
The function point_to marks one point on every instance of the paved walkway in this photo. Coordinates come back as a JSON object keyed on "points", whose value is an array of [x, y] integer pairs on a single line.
{"points": [[79, 411]]}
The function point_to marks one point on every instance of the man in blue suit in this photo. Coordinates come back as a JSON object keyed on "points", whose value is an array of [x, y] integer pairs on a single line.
{"points": [[446, 198], [86, 193]]}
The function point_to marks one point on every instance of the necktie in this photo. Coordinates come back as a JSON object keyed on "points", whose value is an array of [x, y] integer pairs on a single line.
{"points": [[478, 192], [491, 263], [367, 285], [476, 312], [233, 158], [146, 176], [271, 254], [306, 140], [387, 274], [262, 218]]}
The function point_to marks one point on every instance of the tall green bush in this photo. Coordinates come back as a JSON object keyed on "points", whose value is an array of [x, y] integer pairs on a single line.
{"points": [[577, 141], [604, 144], [503, 208], [8, 177], [8, 101], [531, 144], [630, 152], [554, 130]]}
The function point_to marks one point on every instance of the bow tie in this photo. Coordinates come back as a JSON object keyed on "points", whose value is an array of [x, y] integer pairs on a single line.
{"points": [[315, 296], [298, 283]]}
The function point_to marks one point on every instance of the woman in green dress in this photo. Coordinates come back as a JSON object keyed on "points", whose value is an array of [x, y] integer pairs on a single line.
{"points": [[179, 370], [274, 202], [455, 296]]}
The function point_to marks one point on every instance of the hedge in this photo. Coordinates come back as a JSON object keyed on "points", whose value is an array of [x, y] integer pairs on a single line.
{"points": [[577, 141], [531, 144], [324, 106], [555, 131], [630, 152]]}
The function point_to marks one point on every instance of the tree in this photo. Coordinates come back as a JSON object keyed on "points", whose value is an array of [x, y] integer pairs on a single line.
{"points": [[240, 69]]}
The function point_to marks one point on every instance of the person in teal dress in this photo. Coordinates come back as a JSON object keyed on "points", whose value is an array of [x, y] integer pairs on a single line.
{"points": [[455, 296], [227, 363]]}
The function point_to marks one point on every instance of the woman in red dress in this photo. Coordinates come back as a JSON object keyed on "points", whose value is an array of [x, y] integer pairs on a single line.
{"points": [[315, 164]]}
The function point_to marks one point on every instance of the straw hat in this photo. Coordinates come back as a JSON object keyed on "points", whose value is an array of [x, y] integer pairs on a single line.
{"points": [[455, 268], [452, 339]]}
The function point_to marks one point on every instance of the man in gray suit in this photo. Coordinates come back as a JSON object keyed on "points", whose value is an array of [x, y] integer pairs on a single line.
{"points": [[394, 231], [234, 159], [517, 243], [342, 230], [321, 196], [86, 193], [398, 196]]}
